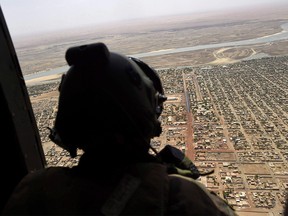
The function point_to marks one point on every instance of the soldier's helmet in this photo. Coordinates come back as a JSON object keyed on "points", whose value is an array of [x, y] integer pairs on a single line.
{"points": [[103, 94]]}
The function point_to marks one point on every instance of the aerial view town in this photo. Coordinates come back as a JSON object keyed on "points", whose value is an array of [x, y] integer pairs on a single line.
{"points": [[227, 110], [229, 118]]}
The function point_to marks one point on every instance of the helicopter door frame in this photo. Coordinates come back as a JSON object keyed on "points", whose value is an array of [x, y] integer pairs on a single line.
{"points": [[21, 146]]}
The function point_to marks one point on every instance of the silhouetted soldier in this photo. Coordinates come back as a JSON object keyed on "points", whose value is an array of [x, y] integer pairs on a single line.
{"points": [[109, 106]]}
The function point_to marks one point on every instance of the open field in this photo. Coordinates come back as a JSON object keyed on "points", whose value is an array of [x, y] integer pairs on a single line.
{"points": [[256, 169]]}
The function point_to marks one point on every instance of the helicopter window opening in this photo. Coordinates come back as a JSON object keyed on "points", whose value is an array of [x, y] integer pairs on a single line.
{"points": [[225, 75]]}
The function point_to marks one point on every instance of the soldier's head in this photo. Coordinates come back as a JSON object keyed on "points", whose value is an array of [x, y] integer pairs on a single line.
{"points": [[106, 97]]}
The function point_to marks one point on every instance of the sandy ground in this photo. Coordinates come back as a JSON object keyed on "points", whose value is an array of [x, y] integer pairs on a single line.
{"points": [[44, 79]]}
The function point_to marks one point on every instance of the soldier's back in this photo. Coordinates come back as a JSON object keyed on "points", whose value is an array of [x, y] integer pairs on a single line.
{"points": [[143, 189]]}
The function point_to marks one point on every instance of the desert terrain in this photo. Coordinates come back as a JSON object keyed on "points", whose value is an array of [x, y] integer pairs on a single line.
{"points": [[162, 33]]}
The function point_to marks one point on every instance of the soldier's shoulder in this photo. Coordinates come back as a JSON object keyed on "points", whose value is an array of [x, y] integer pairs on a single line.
{"points": [[38, 178]]}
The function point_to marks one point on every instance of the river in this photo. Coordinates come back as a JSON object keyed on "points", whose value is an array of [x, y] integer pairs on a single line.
{"points": [[283, 35]]}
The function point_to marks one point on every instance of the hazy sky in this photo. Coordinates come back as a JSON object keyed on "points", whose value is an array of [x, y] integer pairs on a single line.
{"points": [[29, 16]]}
